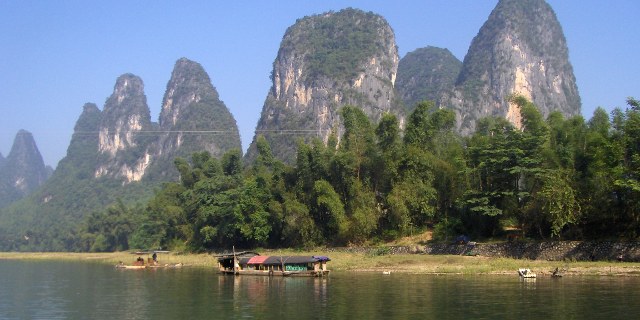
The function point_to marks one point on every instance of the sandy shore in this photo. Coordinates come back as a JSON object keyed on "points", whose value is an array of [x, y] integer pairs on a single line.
{"points": [[355, 262]]}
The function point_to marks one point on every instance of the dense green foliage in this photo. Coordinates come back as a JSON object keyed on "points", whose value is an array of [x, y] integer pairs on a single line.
{"points": [[553, 178], [337, 43]]}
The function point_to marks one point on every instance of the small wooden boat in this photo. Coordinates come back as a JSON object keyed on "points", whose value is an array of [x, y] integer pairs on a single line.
{"points": [[172, 265], [526, 273], [156, 266], [130, 267], [251, 263], [151, 262]]}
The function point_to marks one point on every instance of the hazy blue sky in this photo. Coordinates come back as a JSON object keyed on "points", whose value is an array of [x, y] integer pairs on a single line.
{"points": [[57, 55]]}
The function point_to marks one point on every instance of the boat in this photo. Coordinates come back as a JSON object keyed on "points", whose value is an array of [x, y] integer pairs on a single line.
{"points": [[137, 265], [150, 266], [151, 262], [130, 267], [526, 273], [252, 263]]}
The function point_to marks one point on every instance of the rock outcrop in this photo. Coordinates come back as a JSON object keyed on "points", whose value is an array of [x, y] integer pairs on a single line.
{"points": [[124, 122], [324, 62], [23, 170], [193, 118], [520, 49], [425, 74]]}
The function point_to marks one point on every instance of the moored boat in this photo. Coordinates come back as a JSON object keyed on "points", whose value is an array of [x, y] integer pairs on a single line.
{"points": [[526, 273], [251, 263], [139, 267], [151, 261], [131, 267]]}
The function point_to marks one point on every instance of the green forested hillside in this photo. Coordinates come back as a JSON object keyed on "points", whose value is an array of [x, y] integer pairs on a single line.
{"points": [[424, 74], [555, 178], [47, 219]]}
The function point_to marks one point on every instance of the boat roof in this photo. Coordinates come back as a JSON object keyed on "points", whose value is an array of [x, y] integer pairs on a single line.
{"points": [[149, 252], [257, 259], [280, 260], [251, 257], [240, 254]]}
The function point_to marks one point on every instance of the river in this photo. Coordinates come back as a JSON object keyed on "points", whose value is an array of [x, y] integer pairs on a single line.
{"points": [[81, 290]]}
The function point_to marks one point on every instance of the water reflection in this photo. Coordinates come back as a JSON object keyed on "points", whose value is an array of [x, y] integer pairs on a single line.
{"points": [[528, 283], [256, 295], [55, 290]]}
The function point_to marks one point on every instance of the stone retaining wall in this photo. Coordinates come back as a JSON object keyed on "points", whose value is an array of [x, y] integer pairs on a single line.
{"points": [[548, 250]]}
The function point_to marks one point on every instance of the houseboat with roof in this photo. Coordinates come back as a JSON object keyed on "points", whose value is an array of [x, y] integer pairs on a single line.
{"points": [[252, 263]]}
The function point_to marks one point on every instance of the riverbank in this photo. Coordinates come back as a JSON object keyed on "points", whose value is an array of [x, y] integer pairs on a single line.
{"points": [[378, 262]]}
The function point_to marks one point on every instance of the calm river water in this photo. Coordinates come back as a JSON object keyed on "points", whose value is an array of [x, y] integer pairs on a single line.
{"points": [[76, 290]]}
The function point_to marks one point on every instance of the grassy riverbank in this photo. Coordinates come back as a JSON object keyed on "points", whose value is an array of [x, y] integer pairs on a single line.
{"points": [[359, 262]]}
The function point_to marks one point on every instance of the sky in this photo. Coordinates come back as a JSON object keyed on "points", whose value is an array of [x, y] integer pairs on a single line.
{"points": [[55, 56]]}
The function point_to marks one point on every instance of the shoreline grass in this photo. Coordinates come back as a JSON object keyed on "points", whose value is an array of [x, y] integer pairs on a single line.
{"points": [[359, 262]]}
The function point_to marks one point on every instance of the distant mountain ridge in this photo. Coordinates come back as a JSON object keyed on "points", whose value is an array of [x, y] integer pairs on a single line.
{"points": [[23, 170], [119, 154]]}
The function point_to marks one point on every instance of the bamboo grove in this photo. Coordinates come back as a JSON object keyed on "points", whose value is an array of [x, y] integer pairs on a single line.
{"points": [[550, 178]]}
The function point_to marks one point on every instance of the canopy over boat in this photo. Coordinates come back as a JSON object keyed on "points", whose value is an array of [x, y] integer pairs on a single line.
{"points": [[247, 262], [280, 260]]}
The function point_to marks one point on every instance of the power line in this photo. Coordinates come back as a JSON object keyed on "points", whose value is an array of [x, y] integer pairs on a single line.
{"points": [[158, 132]]}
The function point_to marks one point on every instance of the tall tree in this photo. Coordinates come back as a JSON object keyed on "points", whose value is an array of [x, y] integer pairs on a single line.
{"points": [[357, 143], [507, 167], [329, 212], [389, 144], [628, 183], [430, 136]]}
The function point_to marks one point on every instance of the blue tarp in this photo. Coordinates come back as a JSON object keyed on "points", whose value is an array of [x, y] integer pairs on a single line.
{"points": [[321, 258]]}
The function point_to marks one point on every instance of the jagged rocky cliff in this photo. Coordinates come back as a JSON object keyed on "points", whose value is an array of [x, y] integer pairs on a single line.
{"points": [[425, 74], [192, 119], [23, 170], [520, 49], [324, 62], [125, 120]]}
